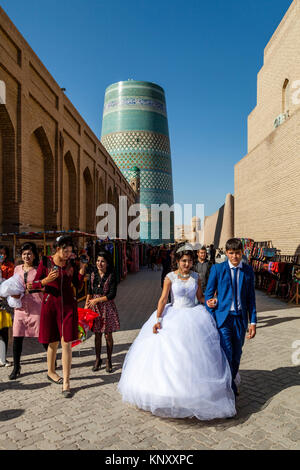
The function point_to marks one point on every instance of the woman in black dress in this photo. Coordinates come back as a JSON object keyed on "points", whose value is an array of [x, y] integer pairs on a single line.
{"points": [[102, 290]]}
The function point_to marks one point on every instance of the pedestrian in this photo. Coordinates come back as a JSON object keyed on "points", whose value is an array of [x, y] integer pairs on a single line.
{"points": [[6, 312], [235, 305], [149, 257], [59, 315], [212, 254], [27, 317], [202, 266], [102, 290], [153, 258]]}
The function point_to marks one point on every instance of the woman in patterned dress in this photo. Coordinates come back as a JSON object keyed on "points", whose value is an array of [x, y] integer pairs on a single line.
{"points": [[102, 290]]}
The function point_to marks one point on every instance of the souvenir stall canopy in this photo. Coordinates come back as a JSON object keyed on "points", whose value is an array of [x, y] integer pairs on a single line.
{"points": [[127, 256], [275, 273]]}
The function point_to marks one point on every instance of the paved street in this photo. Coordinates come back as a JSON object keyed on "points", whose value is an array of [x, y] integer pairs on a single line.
{"points": [[33, 414]]}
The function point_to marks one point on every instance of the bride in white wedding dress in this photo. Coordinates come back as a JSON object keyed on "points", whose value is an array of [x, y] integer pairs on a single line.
{"points": [[175, 367]]}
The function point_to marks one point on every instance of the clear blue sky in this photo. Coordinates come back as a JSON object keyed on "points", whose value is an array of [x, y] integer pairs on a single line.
{"points": [[205, 54]]}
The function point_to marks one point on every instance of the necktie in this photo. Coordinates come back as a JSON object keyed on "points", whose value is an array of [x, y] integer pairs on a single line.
{"points": [[235, 289]]}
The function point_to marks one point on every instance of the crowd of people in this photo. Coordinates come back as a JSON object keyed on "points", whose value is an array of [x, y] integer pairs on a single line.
{"points": [[186, 357], [48, 308]]}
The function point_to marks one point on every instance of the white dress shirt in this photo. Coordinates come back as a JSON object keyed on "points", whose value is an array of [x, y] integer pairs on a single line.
{"points": [[238, 290], [239, 305]]}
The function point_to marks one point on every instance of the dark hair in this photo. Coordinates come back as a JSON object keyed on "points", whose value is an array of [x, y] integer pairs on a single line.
{"points": [[63, 242], [31, 246], [203, 247], [107, 256], [180, 255], [6, 249], [234, 244]]}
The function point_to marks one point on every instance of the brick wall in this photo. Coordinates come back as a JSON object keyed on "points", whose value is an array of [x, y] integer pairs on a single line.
{"points": [[267, 179], [46, 149]]}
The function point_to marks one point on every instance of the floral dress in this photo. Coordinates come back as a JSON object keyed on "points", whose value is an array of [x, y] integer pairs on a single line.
{"points": [[108, 320]]}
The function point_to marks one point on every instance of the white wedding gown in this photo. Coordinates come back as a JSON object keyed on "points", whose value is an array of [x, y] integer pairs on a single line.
{"points": [[181, 371]]}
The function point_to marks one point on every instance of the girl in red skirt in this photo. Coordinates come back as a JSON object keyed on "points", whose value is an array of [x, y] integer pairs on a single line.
{"points": [[101, 292], [59, 316]]}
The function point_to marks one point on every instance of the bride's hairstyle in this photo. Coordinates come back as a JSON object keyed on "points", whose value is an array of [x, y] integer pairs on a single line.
{"points": [[181, 254]]}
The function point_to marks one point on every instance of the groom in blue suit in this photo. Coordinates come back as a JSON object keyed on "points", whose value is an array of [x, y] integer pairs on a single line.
{"points": [[235, 305]]}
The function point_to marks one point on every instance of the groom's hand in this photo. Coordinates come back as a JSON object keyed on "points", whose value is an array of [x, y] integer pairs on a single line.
{"points": [[211, 303], [252, 331]]}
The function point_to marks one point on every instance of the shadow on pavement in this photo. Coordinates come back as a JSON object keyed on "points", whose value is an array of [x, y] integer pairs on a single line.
{"points": [[258, 388], [6, 415], [105, 379], [15, 385], [272, 320]]}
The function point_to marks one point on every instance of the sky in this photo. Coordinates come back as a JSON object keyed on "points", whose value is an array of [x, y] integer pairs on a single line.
{"points": [[205, 54]]}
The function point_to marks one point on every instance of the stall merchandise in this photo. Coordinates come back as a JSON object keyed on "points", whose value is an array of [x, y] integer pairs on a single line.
{"points": [[274, 272]]}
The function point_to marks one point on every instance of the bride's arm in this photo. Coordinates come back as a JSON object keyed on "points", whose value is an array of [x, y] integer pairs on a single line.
{"points": [[199, 293], [162, 303]]}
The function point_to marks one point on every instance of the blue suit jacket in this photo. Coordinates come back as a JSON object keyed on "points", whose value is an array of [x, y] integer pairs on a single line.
{"points": [[220, 280]]}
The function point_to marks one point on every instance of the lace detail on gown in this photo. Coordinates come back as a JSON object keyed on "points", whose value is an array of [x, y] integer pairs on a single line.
{"points": [[183, 292]]}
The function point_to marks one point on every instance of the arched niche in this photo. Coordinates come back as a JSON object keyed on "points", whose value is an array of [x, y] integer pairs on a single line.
{"points": [[9, 211], [70, 193], [88, 198]]}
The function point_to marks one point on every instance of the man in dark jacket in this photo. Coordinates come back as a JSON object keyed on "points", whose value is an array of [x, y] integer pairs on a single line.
{"points": [[202, 266]]}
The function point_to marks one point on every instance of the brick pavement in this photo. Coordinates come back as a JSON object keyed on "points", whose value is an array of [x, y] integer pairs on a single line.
{"points": [[33, 414]]}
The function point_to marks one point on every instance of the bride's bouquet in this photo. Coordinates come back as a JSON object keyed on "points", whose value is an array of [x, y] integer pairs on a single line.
{"points": [[13, 286]]}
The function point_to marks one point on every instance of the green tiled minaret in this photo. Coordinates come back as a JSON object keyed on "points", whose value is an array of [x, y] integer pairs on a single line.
{"points": [[135, 133]]}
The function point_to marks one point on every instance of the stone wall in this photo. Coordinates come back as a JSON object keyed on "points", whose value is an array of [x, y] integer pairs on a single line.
{"points": [[219, 227], [267, 179]]}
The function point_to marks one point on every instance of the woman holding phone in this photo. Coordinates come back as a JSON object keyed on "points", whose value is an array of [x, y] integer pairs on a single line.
{"points": [[59, 315]]}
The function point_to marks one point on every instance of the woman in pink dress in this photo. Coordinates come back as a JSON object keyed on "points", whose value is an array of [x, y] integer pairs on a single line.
{"points": [[27, 318]]}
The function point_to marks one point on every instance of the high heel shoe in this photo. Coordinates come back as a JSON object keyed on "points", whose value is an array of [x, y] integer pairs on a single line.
{"points": [[108, 366], [97, 365], [15, 373]]}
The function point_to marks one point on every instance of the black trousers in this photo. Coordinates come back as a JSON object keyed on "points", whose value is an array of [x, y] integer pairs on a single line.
{"points": [[17, 349], [4, 336]]}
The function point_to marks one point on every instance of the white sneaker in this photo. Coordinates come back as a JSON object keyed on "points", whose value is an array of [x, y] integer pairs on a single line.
{"points": [[5, 364]]}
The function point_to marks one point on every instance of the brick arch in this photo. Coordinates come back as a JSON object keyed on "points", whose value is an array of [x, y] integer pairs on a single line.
{"points": [[110, 198], [48, 179], [9, 216], [71, 192], [116, 204], [88, 201], [101, 192]]}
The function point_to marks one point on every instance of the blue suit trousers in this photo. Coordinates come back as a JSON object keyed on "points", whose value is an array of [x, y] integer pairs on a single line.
{"points": [[232, 337]]}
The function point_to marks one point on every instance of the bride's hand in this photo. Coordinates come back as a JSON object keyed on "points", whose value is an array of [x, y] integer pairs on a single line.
{"points": [[212, 302], [156, 327]]}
